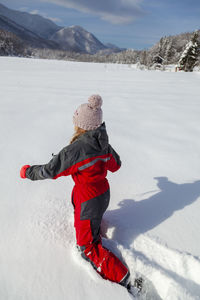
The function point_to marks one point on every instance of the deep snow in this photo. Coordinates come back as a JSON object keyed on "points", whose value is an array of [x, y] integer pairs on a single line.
{"points": [[153, 122]]}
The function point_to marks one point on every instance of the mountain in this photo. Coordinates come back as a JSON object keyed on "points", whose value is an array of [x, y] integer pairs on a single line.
{"points": [[77, 39], [40, 32], [110, 49], [29, 37], [41, 26]]}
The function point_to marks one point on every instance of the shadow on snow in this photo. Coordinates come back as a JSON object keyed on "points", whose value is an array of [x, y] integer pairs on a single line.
{"points": [[133, 218], [136, 217]]}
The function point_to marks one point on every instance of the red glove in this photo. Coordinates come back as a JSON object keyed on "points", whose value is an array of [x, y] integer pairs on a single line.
{"points": [[23, 171]]}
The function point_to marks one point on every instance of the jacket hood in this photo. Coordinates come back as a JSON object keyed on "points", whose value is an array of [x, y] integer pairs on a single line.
{"points": [[97, 138]]}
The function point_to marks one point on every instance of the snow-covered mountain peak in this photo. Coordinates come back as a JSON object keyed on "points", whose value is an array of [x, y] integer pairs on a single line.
{"points": [[78, 39], [77, 27]]}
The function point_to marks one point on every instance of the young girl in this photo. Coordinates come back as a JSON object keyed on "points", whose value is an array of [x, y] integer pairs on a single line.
{"points": [[87, 159]]}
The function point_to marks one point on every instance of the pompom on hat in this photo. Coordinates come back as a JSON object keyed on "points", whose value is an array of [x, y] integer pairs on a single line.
{"points": [[88, 116]]}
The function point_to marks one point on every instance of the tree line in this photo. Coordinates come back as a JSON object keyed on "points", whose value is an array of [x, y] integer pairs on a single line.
{"points": [[182, 50]]}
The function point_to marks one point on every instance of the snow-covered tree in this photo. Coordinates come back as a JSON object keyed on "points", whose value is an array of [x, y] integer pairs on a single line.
{"points": [[10, 44], [189, 57], [169, 52]]}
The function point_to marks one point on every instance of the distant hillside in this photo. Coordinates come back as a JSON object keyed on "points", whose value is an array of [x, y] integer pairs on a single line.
{"points": [[41, 26], [78, 39], [29, 37], [43, 33]]}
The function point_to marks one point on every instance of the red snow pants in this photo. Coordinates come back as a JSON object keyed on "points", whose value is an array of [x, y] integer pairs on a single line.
{"points": [[90, 202]]}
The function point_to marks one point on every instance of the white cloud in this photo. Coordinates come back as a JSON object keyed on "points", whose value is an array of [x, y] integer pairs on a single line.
{"points": [[54, 19], [35, 12], [113, 11], [45, 15]]}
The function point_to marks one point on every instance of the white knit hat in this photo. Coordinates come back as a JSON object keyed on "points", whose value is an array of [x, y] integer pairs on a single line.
{"points": [[88, 116]]}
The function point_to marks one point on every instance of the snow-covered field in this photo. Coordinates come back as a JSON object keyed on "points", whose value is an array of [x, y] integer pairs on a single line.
{"points": [[153, 120]]}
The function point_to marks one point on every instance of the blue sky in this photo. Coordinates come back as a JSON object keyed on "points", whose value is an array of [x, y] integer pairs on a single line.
{"points": [[134, 24]]}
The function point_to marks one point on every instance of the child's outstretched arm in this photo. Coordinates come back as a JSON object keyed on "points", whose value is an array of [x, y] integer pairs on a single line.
{"points": [[62, 164], [114, 163]]}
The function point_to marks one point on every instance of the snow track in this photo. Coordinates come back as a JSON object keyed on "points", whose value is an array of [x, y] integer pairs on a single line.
{"points": [[168, 273], [174, 274]]}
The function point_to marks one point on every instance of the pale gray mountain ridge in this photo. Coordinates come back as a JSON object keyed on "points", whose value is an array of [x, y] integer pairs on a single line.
{"points": [[78, 39], [27, 36], [41, 26], [111, 46]]}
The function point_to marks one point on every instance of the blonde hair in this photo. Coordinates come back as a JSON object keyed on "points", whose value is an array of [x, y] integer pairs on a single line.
{"points": [[78, 132]]}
